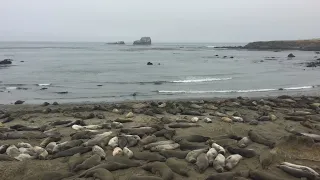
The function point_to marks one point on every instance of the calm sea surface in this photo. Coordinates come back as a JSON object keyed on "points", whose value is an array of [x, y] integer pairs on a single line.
{"points": [[80, 72]]}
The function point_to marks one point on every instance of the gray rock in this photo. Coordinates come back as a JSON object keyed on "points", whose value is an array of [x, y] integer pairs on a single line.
{"points": [[143, 41]]}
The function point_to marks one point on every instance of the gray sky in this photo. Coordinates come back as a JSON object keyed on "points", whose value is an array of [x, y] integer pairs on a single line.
{"points": [[163, 20]]}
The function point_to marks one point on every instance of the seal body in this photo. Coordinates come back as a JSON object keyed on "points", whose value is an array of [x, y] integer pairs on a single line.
{"points": [[211, 155], [148, 156], [127, 152], [174, 153], [202, 162], [159, 168], [248, 153], [193, 155], [149, 146], [178, 166], [219, 148], [117, 152], [148, 140], [88, 163], [219, 163], [244, 142], [99, 151], [232, 161]]}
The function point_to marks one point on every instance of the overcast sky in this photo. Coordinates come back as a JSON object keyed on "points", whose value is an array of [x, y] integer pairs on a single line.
{"points": [[163, 20]]}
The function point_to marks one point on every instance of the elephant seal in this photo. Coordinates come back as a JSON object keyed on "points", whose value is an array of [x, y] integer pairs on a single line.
{"points": [[67, 145], [159, 168], [260, 175], [219, 148], [192, 138], [83, 135], [23, 135], [167, 133], [49, 175], [121, 120], [72, 151], [178, 167], [122, 141], [3, 148], [244, 142], [99, 151], [113, 142], [100, 139], [219, 163], [127, 152], [23, 145], [174, 153], [132, 140], [202, 163], [141, 131], [186, 145], [88, 163], [100, 173], [4, 157], [212, 154], [148, 156], [225, 176], [50, 147], [298, 170], [183, 125], [60, 122], [137, 177], [13, 151], [74, 161], [193, 155], [232, 161], [148, 140], [48, 140], [255, 137], [149, 146], [165, 147], [117, 152], [247, 153]]}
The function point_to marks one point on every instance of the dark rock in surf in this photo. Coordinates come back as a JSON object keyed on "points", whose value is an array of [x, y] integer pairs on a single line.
{"points": [[19, 102], [45, 104], [291, 55], [116, 43], [149, 63], [143, 41], [6, 61]]}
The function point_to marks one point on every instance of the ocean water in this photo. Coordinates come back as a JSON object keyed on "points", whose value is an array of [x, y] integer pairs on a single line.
{"points": [[82, 72]]}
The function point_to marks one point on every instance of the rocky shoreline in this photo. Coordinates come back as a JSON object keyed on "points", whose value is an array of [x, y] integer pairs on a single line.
{"points": [[302, 45], [235, 138]]}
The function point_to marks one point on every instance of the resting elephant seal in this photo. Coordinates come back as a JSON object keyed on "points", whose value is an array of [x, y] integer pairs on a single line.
{"points": [[212, 154], [255, 137], [248, 153], [165, 147], [88, 163], [99, 151], [75, 160], [67, 145], [3, 148], [183, 125], [219, 148], [244, 142], [159, 168], [148, 140], [48, 140], [127, 152], [100, 139], [137, 177], [72, 151], [165, 133], [298, 170], [232, 161], [193, 155], [186, 145], [219, 163], [178, 166], [141, 131], [149, 146], [202, 162], [148, 156], [174, 153], [192, 138], [100, 173]]}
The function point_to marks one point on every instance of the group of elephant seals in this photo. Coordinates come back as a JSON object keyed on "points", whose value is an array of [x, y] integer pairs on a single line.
{"points": [[159, 168]]}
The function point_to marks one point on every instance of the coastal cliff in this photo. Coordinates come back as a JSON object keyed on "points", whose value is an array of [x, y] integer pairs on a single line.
{"points": [[306, 45], [303, 45]]}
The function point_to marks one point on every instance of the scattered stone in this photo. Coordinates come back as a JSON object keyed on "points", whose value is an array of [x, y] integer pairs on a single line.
{"points": [[143, 41], [291, 55]]}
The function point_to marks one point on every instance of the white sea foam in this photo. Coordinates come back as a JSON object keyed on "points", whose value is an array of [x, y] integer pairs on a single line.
{"points": [[44, 84], [11, 88], [201, 80], [210, 46], [233, 91]]}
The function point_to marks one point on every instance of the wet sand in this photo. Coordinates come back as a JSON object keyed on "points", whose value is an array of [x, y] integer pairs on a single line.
{"points": [[266, 116]]}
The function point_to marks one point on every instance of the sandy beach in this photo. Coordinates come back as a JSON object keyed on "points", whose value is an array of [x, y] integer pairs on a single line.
{"points": [[277, 129]]}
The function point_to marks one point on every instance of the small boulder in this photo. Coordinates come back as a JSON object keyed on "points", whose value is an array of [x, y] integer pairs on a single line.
{"points": [[149, 63], [6, 61], [291, 55]]}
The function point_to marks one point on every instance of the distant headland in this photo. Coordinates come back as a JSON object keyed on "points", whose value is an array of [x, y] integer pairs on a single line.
{"points": [[303, 45]]}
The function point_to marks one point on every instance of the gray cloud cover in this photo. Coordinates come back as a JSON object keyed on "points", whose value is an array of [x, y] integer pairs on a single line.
{"points": [[163, 20]]}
